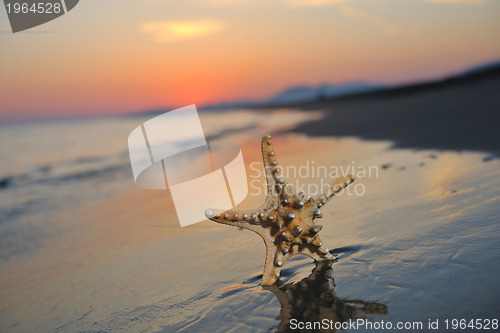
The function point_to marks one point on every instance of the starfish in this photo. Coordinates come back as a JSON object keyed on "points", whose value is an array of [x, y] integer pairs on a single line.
{"points": [[285, 221]]}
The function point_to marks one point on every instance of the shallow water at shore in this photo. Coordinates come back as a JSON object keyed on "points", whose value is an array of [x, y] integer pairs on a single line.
{"points": [[420, 243]]}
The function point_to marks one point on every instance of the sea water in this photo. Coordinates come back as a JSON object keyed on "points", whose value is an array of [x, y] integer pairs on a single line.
{"points": [[51, 168]]}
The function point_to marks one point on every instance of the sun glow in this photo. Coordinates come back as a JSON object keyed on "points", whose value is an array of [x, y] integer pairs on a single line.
{"points": [[169, 31]]}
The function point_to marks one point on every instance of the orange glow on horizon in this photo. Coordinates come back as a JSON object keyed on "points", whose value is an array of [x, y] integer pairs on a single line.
{"points": [[167, 55]]}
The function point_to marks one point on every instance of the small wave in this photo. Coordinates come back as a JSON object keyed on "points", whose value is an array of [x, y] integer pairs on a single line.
{"points": [[89, 159], [14, 180], [77, 169], [44, 169], [88, 173]]}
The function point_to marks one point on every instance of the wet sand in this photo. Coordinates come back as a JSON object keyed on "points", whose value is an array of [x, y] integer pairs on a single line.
{"points": [[417, 245], [418, 241]]}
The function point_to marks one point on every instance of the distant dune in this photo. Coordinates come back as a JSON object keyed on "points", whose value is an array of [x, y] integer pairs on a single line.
{"points": [[459, 113], [307, 93], [300, 94]]}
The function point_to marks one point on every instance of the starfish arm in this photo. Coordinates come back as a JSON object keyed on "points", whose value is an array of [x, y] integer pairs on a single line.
{"points": [[275, 187], [335, 186], [273, 172], [317, 253], [246, 219], [272, 270]]}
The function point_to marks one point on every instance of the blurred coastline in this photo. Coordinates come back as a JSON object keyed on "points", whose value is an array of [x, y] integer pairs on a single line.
{"points": [[457, 113]]}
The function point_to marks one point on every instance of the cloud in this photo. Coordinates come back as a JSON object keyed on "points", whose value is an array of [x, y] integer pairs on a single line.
{"points": [[289, 3], [174, 31], [313, 3], [386, 26], [457, 1]]}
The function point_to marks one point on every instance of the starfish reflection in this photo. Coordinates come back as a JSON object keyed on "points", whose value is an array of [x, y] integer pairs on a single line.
{"points": [[313, 299]]}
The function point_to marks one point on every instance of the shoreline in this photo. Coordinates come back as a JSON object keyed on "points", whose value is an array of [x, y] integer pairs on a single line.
{"points": [[459, 114]]}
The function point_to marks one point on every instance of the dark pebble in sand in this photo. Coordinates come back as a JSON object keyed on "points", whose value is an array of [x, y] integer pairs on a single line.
{"points": [[402, 168], [432, 156], [4, 182], [386, 166], [453, 191], [421, 164], [488, 158]]}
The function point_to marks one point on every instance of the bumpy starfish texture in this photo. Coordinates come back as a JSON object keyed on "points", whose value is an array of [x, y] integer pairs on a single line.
{"points": [[285, 221]]}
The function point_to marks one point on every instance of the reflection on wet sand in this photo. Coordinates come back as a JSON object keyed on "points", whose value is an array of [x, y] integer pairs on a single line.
{"points": [[313, 300]]}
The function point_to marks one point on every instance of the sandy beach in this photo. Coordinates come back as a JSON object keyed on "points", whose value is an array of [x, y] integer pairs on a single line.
{"points": [[415, 243]]}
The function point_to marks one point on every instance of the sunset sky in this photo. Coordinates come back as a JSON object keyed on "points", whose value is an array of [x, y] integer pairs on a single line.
{"points": [[122, 56]]}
